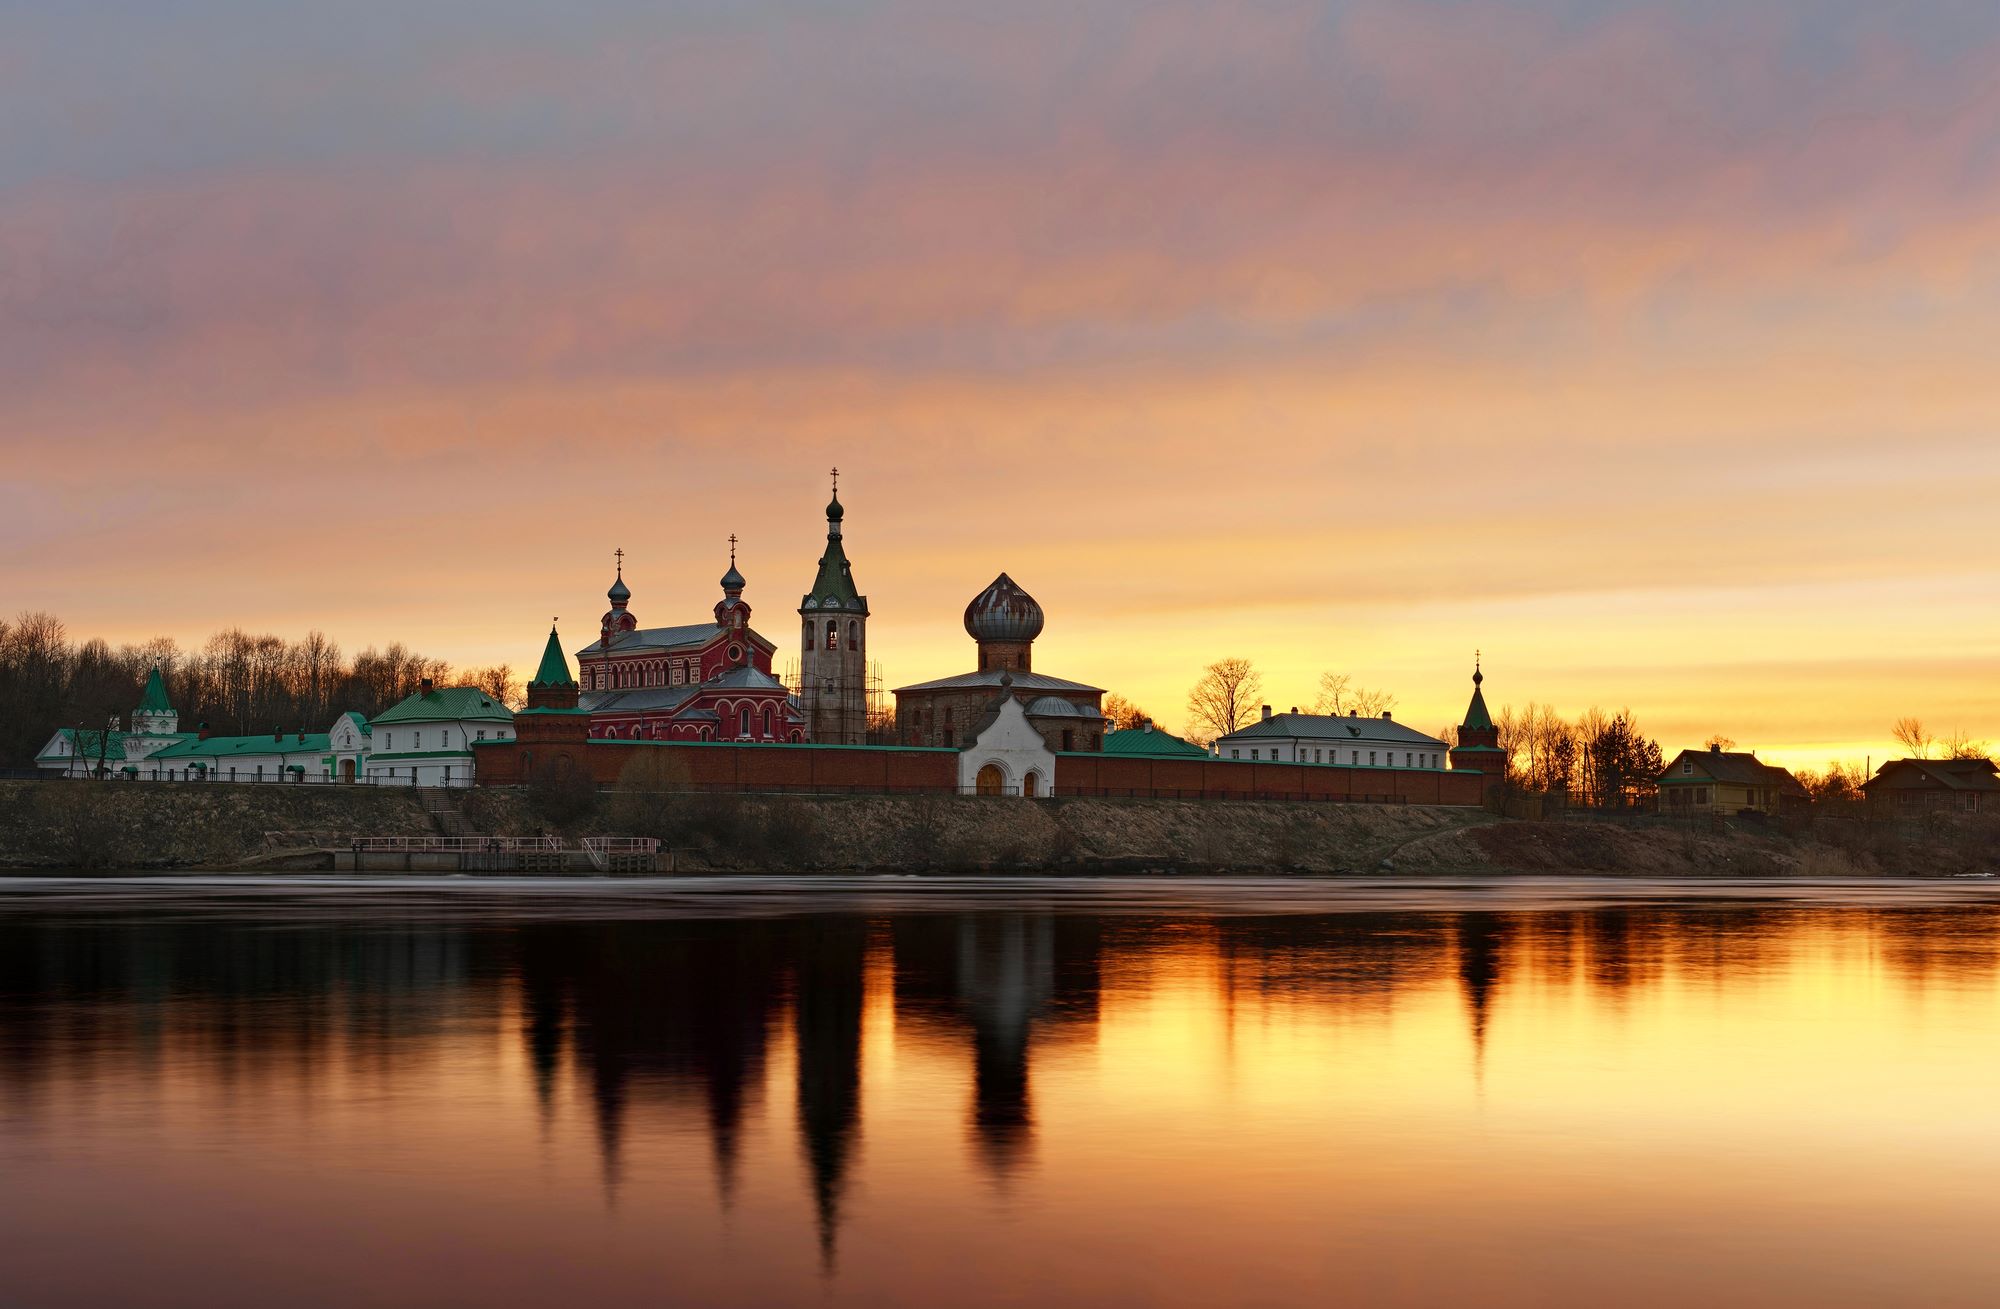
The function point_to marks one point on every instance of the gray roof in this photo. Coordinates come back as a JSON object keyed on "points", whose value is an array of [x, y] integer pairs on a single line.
{"points": [[737, 678], [1053, 706], [990, 677], [635, 699], [1941, 774], [651, 698], [1338, 728], [657, 638]]}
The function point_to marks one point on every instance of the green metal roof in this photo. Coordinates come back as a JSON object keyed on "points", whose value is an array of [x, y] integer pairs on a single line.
{"points": [[555, 664], [154, 699], [834, 587], [1138, 742], [446, 703], [1475, 713], [222, 747], [88, 750]]}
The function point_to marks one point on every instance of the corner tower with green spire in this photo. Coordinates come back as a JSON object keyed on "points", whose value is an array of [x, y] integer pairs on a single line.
{"points": [[1478, 747], [833, 688], [154, 716], [550, 735], [553, 690]]}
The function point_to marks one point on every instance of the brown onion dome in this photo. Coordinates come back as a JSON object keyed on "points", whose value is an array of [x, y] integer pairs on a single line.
{"points": [[1003, 612]]}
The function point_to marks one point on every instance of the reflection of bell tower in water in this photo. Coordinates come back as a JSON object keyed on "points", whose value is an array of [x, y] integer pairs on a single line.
{"points": [[833, 646]]}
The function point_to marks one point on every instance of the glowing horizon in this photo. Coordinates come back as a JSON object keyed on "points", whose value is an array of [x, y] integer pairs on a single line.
{"points": [[1639, 347]]}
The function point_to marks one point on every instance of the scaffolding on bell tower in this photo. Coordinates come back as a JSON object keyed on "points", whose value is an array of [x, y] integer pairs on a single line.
{"points": [[867, 720]]}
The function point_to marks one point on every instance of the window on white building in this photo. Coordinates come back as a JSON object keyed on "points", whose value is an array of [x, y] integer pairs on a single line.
{"points": [[1371, 758]]}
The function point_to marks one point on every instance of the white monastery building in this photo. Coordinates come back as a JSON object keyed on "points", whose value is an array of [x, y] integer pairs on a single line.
{"points": [[425, 740], [1348, 740]]}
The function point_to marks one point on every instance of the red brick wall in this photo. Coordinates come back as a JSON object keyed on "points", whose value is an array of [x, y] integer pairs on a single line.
{"points": [[1234, 779], [750, 767], [755, 767]]}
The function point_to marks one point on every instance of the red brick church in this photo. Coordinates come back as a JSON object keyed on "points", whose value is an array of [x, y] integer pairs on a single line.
{"points": [[705, 681]]}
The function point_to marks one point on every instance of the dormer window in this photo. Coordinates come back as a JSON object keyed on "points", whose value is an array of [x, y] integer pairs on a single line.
{"points": [[1687, 768]]}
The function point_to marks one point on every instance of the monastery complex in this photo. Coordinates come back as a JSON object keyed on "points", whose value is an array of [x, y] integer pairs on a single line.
{"points": [[704, 700]]}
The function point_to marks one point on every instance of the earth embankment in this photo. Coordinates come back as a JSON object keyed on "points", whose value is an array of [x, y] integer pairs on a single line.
{"points": [[147, 826]]}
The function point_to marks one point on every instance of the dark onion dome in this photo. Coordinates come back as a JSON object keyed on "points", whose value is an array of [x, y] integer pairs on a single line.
{"points": [[732, 580], [834, 513], [1003, 612], [619, 592]]}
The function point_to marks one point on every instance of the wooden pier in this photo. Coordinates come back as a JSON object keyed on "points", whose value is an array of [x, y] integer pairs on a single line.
{"points": [[603, 856]]}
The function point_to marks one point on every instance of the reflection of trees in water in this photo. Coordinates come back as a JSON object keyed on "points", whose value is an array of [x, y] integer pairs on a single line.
{"points": [[251, 1004], [1357, 961]]}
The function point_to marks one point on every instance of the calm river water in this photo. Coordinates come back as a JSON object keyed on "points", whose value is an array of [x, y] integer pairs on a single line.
{"points": [[997, 1092]]}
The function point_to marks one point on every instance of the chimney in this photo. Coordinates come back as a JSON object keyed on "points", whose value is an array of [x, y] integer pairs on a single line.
{"points": [[1267, 713], [201, 731], [1716, 748], [427, 686], [1147, 726], [1354, 713], [302, 738], [1295, 708], [1385, 713]]}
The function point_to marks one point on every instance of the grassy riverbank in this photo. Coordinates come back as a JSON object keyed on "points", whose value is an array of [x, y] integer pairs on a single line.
{"points": [[46, 826]]}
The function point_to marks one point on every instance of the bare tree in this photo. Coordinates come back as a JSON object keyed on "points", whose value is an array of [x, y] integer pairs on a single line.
{"points": [[1959, 745], [1910, 734], [1223, 700], [1122, 715], [1510, 730], [1339, 695], [498, 681], [1840, 782]]}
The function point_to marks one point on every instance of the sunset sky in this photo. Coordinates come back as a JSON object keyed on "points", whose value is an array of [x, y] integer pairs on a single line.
{"points": [[1653, 349]]}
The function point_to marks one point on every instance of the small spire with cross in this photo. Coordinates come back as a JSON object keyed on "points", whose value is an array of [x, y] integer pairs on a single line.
{"points": [[836, 481], [732, 549], [620, 552]]}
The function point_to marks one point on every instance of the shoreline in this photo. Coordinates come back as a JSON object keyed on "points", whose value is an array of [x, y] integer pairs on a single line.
{"points": [[88, 828]]}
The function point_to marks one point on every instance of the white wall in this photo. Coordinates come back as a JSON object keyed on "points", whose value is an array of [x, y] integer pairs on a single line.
{"points": [[1012, 742]]}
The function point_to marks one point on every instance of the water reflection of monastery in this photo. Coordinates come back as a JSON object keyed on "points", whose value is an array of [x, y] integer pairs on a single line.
{"points": [[704, 1020], [688, 1013]]}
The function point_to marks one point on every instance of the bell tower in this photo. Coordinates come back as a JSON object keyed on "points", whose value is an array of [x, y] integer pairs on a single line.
{"points": [[833, 691]]}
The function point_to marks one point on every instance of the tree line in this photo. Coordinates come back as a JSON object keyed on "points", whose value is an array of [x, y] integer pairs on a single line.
{"points": [[238, 683], [1599, 755]]}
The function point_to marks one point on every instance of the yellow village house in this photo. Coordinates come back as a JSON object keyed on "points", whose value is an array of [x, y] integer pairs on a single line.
{"points": [[1718, 781]]}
